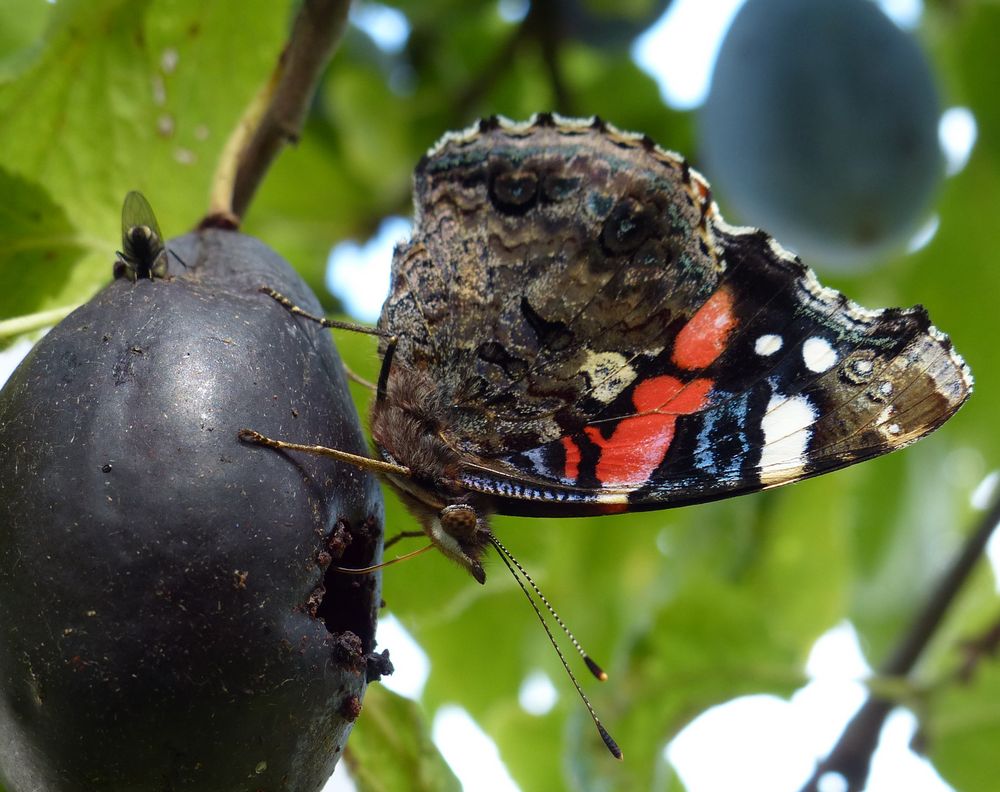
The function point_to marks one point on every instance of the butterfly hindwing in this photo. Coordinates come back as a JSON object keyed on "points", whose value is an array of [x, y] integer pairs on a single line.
{"points": [[542, 257], [604, 341]]}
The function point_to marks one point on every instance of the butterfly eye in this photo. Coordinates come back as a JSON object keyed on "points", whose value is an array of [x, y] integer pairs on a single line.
{"points": [[459, 521]]}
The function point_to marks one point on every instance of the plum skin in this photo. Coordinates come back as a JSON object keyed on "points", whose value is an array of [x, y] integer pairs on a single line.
{"points": [[169, 617]]}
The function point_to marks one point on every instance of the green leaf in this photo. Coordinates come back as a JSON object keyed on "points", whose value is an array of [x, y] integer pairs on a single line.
{"points": [[21, 33], [391, 748], [38, 245], [127, 95]]}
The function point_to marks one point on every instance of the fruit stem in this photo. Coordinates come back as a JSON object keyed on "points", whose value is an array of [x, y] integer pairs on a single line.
{"points": [[276, 114]]}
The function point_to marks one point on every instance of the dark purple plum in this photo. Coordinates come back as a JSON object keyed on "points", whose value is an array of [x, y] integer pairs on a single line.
{"points": [[169, 617]]}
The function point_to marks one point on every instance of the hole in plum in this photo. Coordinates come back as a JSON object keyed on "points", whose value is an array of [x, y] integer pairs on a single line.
{"points": [[344, 600]]}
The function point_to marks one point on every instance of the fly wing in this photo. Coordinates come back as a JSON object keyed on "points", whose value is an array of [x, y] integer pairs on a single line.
{"points": [[137, 213]]}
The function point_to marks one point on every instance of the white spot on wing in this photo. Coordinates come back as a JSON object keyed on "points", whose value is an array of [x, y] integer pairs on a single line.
{"points": [[767, 344], [786, 426], [818, 354], [885, 415], [890, 431], [608, 373]]}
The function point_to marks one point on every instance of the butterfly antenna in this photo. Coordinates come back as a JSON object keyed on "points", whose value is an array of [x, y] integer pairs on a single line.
{"points": [[594, 668], [511, 563]]}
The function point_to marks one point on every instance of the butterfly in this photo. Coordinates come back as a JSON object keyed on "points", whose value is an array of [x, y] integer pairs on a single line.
{"points": [[573, 329], [143, 253]]}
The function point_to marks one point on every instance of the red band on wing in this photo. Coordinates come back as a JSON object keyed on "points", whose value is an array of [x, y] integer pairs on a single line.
{"points": [[669, 395], [572, 467], [639, 444], [704, 338]]}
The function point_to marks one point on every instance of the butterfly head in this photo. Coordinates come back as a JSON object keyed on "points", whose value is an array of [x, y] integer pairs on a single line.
{"points": [[461, 534], [459, 530]]}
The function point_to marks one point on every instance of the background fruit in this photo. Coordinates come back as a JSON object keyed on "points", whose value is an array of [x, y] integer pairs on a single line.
{"points": [[821, 127], [162, 584]]}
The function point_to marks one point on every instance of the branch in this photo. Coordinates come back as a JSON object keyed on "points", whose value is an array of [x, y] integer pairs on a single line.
{"points": [[276, 114], [852, 755], [549, 33], [541, 26]]}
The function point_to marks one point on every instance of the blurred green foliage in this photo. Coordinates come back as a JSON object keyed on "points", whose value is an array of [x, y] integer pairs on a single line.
{"points": [[684, 608], [395, 729]]}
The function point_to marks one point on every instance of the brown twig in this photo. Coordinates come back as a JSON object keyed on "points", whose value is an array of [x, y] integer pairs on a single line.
{"points": [[852, 755], [541, 27], [276, 114]]}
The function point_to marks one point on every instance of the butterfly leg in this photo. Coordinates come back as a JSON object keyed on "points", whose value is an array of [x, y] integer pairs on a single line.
{"points": [[179, 259], [293, 309]]}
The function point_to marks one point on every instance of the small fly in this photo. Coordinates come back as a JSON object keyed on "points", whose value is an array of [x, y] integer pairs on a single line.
{"points": [[144, 255]]}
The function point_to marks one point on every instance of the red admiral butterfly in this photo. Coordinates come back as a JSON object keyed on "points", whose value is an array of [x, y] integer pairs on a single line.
{"points": [[573, 329]]}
